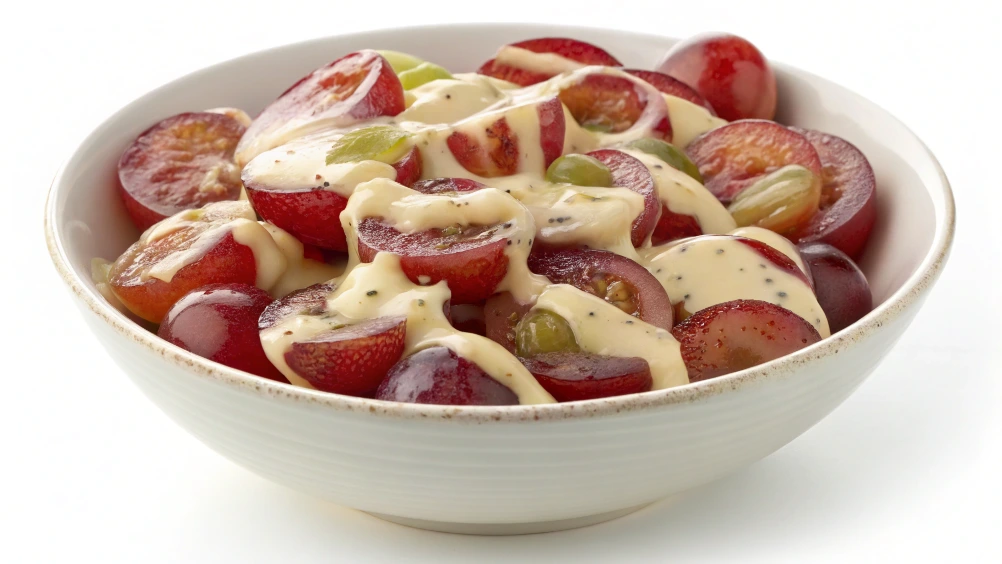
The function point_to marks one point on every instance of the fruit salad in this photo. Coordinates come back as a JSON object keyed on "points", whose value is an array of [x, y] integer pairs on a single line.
{"points": [[552, 227]]}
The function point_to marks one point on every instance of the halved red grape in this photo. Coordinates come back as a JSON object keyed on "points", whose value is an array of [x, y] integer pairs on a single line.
{"points": [[219, 322], [728, 71], [578, 376], [572, 49], [739, 334], [673, 87], [614, 278], [501, 314], [183, 162], [731, 158], [470, 259], [312, 213], [439, 376], [839, 284], [219, 260], [612, 103], [354, 88], [502, 153], [447, 185], [350, 360], [848, 207], [630, 172]]}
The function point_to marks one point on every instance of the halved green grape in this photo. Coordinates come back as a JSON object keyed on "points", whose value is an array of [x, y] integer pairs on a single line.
{"points": [[400, 62], [422, 74], [542, 331], [668, 153], [580, 170], [781, 201], [383, 143]]}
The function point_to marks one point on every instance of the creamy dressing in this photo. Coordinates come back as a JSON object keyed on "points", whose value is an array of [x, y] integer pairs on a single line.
{"points": [[447, 101], [711, 269], [302, 164], [381, 289], [602, 328], [300, 272], [688, 120]]}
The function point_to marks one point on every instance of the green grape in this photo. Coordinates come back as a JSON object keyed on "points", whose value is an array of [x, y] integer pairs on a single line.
{"points": [[780, 201], [542, 331], [383, 143], [422, 74], [580, 170], [400, 62], [669, 154]]}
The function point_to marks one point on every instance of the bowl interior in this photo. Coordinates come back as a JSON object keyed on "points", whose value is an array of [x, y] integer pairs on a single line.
{"points": [[90, 221]]}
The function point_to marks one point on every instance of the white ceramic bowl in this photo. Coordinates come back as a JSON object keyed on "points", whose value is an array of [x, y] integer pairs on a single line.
{"points": [[508, 469]]}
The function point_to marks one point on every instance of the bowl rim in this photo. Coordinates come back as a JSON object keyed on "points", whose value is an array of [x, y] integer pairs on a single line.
{"points": [[910, 292]]}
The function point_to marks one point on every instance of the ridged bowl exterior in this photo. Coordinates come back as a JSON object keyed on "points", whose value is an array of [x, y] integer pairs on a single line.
{"points": [[520, 464]]}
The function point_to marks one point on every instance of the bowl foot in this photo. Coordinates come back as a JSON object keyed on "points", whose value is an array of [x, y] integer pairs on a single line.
{"points": [[508, 528]]}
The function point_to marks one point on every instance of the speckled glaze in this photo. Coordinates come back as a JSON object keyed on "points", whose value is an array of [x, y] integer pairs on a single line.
{"points": [[518, 469]]}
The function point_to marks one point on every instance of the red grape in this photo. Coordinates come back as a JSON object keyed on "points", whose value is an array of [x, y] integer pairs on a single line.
{"points": [[839, 284], [220, 322], [439, 376]]}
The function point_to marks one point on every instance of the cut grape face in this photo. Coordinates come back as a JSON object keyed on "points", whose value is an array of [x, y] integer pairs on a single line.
{"points": [[439, 376], [848, 208], [673, 87], [577, 376], [614, 278], [733, 157], [183, 162], [502, 313], [217, 259], [470, 259], [572, 49], [501, 155], [612, 104], [839, 284], [220, 322], [739, 334], [727, 70], [354, 88], [629, 172], [352, 359]]}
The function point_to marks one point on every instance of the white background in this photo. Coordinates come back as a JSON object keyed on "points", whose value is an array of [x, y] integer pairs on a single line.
{"points": [[908, 469]]}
